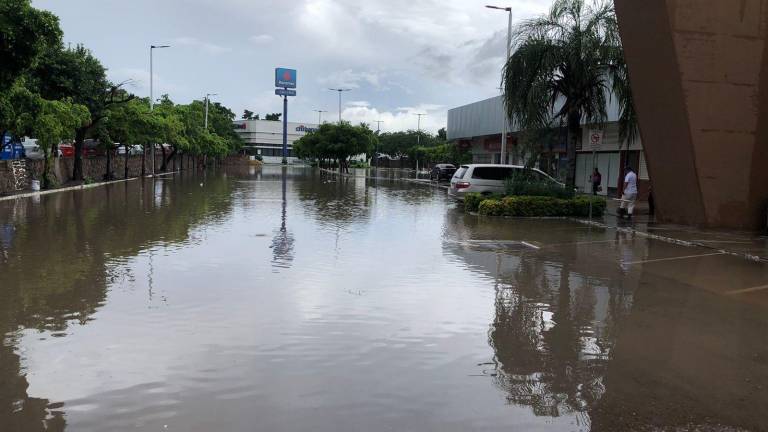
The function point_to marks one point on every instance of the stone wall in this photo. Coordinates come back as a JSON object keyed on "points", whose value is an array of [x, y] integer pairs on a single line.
{"points": [[94, 170]]}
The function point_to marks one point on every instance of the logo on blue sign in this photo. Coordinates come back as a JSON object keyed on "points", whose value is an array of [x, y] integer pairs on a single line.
{"points": [[285, 78]]}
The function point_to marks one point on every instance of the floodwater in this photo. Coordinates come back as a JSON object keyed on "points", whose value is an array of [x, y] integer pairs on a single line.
{"points": [[295, 300]]}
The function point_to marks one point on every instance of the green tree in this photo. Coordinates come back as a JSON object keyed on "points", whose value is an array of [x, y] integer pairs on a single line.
{"points": [[50, 122], [566, 65], [247, 115], [337, 142], [25, 32], [75, 73], [273, 116]]}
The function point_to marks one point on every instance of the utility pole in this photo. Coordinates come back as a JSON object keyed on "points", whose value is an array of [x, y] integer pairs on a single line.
{"points": [[505, 121], [207, 98], [340, 90], [319, 116], [152, 48]]}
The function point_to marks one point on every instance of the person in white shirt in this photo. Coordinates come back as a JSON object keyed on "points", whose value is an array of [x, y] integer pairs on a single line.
{"points": [[629, 195]]}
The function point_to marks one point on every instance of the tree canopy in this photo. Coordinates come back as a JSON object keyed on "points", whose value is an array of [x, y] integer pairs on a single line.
{"points": [[336, 141], [566, 65]]}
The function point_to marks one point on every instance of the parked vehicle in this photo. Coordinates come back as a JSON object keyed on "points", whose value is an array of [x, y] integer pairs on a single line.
{"points": [[442, 172], [133, 150], [66, 150], [31, 149], [488, 179]]}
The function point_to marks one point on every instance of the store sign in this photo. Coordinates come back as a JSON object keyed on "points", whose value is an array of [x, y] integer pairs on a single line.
{"points": [[240, 126], [285, 92], [596, 139], [305, 129], [285, 78]]}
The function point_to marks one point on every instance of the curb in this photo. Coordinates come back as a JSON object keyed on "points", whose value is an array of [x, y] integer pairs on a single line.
{"points": [[80, 187]]}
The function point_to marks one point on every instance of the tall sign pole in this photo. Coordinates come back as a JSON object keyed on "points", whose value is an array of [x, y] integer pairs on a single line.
{"points": [[285, 81]]}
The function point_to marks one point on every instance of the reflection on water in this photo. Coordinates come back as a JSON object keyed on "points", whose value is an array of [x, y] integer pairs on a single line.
{"points": [[290, 299]]}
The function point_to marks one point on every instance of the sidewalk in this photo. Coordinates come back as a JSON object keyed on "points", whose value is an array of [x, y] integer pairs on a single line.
{"points": [[746, 244]]}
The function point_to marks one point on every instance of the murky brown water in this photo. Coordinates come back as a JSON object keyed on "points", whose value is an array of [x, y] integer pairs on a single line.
{"points": [[213, 304]]}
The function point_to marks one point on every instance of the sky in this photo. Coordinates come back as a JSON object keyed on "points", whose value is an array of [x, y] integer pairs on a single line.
{"points": [[398, 57]]}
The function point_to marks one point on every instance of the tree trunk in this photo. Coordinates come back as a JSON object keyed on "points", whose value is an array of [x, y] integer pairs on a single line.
{"points": [[144, 162], [77, 170], [108, 174], [574, 135], [46, 169], [126, 162]]}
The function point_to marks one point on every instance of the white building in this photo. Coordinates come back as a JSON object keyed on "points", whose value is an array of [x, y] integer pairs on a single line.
{"points": [[265, 137]]}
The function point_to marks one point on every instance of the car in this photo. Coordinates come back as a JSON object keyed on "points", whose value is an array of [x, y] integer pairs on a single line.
{"points": [[133, 150], [442, 171], [488, 179], [66, 150], [31, 149]]}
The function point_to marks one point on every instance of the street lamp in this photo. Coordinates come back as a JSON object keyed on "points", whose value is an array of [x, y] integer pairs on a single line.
{"points": [[504, 114], [207, 98], [378, 132], [319, 116], [152, 49], [418, 139], [340, 90]]}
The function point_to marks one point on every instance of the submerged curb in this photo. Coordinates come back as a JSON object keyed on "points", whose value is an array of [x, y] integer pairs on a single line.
{"points": [[79, 187], [672, 240]]}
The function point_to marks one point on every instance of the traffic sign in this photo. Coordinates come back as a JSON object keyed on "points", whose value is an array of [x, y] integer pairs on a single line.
{"points": [[285, 78], [285, 92], [595, 139]]}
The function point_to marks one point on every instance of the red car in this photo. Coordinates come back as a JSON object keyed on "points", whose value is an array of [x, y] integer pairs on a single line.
{"points": [[66, 150]]}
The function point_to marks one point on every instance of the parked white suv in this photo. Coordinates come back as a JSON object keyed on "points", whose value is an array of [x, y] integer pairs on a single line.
{"points": [[487, 179]]}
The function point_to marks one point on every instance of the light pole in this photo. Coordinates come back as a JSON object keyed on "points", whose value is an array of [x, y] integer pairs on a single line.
{"points": [[319, 116], [152, 48], [207, 98], [504, 114], [378, 132], [418, 139], [340, 90]]}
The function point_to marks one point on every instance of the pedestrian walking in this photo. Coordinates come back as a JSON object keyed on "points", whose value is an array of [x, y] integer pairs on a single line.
{"points": [[597, 180], [629, 195]]}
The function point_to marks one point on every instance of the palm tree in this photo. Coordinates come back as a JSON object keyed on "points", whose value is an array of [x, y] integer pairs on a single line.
{"points": [[566, 66]]}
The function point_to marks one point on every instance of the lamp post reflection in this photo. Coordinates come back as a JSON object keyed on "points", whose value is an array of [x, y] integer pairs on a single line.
{"points": [[282, 243]]}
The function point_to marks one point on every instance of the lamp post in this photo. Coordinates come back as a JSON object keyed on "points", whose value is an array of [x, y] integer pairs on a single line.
{"points": [[378, 132], [418, 139], [340, 90], [152, 49], [319, 116], [504, 114], [207, 98]]}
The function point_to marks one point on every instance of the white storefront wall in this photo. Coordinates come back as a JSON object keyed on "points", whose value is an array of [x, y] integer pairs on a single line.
{"points": [[267, 137], [607, 158]]}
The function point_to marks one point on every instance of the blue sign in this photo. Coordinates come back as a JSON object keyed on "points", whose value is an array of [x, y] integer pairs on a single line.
{"points": [[285, 78], [285, 92]]}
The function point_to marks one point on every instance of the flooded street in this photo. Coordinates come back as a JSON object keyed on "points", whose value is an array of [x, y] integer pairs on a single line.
{"points": [[296, 300]]}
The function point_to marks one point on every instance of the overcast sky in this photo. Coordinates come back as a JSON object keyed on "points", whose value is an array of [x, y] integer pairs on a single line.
{"points": [[400, 57]]}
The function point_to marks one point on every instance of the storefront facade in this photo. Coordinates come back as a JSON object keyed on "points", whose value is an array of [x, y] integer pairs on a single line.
{"points": [[265, 138], [477, 128]]}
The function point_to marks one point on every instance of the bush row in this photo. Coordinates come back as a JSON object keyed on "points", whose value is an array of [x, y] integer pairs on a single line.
{"points": [[536, 206]]}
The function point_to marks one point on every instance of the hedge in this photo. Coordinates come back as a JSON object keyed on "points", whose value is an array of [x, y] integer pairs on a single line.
{"points": [[536, 206]]}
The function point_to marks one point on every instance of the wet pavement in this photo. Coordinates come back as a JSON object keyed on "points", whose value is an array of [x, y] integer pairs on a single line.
{"points": [[298, 300]]}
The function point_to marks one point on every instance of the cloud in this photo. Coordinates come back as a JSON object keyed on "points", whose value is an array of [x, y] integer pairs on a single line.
{"points": [[208, 47], [351, 79], [137, 81], [261, 39], [359, 104], [400, 119]]}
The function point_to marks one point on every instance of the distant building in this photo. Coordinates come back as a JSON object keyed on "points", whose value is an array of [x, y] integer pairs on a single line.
{"points": [[477, 127], [265, 138]]}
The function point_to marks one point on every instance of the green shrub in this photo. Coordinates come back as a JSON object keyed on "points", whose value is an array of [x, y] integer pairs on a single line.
{"points": [[491, 207], [539, 206], [527, 183], [472, 201]]}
